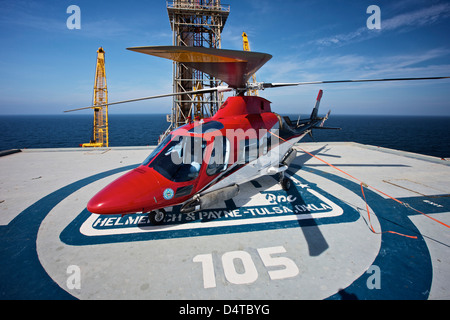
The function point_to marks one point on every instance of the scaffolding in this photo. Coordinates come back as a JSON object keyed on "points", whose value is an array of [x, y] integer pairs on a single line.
{"points": [[100, 130], [195, 23]]}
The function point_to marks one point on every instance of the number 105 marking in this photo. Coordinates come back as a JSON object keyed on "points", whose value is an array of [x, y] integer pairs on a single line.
{"points": [[287, 267]]}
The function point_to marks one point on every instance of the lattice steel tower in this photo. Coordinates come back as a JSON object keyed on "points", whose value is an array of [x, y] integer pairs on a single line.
{"points": [[100, 130], [195, 23]]}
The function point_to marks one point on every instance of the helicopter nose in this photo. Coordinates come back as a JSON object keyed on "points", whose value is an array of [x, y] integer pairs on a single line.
{"points": [[133, 192]]}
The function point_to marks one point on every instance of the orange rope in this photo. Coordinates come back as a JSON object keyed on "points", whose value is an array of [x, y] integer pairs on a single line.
{"points": [[379, 191], [371, 226], [364, 184]]}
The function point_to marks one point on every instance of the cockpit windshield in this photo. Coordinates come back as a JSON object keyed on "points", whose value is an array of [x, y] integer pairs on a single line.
{"points": [[178, 158]]}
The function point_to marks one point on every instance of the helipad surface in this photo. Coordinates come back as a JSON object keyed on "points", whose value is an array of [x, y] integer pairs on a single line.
{"points": [[312, 242]]}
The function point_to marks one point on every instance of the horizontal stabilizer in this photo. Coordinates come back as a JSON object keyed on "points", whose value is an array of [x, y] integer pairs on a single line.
{"points": [[320, 126]]}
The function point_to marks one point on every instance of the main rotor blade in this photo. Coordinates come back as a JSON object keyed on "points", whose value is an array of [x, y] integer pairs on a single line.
{"points": [[201, 91], [231, 66], [274, 85]]}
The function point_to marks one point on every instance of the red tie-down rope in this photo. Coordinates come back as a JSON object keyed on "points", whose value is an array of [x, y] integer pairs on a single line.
{"points": [[362, 191]]}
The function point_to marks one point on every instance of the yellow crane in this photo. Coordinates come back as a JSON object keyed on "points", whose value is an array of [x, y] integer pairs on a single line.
{"points": [[246, 46], [100, 131]]}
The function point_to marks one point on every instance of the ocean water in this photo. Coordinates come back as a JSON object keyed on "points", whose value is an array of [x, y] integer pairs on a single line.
{"points": [[424, 135]]}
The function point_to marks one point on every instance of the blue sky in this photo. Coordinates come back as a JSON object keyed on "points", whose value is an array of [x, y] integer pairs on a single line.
{"points": [[46, 68]]}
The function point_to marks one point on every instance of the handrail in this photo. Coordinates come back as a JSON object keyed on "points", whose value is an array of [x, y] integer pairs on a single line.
{"points": [[196, 5]]}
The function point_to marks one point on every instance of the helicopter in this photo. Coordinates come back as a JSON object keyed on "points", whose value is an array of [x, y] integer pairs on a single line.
{"points": [[204, 162]]}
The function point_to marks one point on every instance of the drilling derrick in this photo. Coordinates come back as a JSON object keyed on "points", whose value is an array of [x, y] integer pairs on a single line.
{"points": [[195, 23], [100, 131]]}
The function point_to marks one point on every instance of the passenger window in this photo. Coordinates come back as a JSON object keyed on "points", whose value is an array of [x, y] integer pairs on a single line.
{"points": [[219, 156], [248, 150], [264, 144]]}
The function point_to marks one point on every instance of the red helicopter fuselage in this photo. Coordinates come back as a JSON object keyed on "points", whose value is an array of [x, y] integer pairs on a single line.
{"points": [[199, 157], [203, 162]]}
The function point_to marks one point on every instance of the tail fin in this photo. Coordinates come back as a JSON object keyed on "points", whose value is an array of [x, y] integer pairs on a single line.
{"points": [[316, 107]]}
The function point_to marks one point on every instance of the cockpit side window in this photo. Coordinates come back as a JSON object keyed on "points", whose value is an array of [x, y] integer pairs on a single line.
{"points": [[157, 150], [181, 159]]}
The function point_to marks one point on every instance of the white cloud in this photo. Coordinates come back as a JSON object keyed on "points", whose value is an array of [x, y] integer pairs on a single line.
{"points": [[418, 18], [412, 19]]}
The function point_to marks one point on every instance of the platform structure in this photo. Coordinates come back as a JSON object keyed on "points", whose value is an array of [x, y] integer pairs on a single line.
{"points": [[100, 131], [197, 23], [313, 241]]}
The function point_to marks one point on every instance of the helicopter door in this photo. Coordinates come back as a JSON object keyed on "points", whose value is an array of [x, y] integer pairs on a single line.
{"points": [[256, 149], [263, 150], [220, 156], [248, 153]]}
